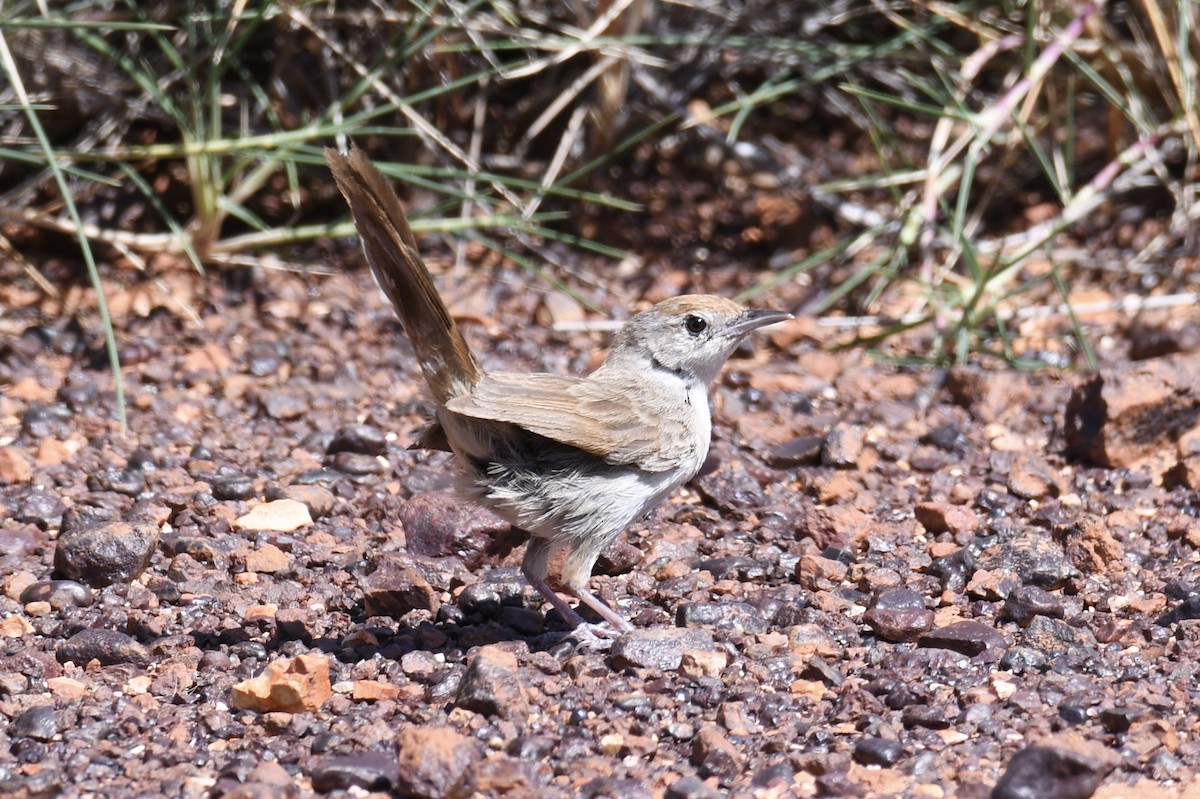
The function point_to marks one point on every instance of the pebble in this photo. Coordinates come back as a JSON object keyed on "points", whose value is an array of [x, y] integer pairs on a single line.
{"points": [[232, 487], [714, 755], [434, 761], [843, 446], [43, 508], [397, 585], [106, 552], [129, 482], [281, 515], [723, 615], [14, 466], [947, 437], [898, 614], [497, 588], [439, 524], [38, 723], [360, 438], [1028, 601], [1034, 558], [109, 647], [942, 517], [1033, 478], [731, 487], [1044, 771], [878, 752], [658, 648], [283, 405], [692, 788], [17, 540], [369, 771], [1054, 637], [795, 452], [354, 463], [61, 594], [492, 685], [290, 685], [319, 500], [970, 638], [267, 559]]}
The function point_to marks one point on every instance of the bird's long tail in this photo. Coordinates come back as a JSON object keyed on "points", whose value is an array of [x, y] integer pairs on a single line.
{"points": [[449, 366]]}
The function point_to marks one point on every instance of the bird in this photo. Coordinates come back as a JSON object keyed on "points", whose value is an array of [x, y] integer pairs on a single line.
{"points": [[572, 461]]}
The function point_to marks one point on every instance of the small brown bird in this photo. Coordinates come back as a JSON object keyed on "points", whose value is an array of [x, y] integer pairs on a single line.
{"points": [[570, 460]]}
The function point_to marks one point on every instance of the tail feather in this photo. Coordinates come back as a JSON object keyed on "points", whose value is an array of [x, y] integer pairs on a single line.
{"points": [[449, 366]]}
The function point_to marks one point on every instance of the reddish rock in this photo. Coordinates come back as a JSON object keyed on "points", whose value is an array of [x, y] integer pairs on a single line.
{"points": [[434, 761], [291, 685], [1134, 413], [492, 685], [942, 517], [439, 524]]}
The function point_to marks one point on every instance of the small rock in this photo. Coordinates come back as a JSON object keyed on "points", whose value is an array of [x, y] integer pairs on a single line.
{"points": [[496, 589], [722, 615], [281, 515], [878, 752], [15, 583], [434, 761], [38, 723], [942, 517], [1044, 771], [843, 446], [837, 527], [971, 638], [43, 508], [660, 648], [947, 437], [439, 524], [16, 626], [370, 771], [731, 487], [14, 467], [691, 788], [61, 594], [360, 438], [898, 614], [129, 482], [1054, 637], [373, 691], [697, 663], [319, 500], [796, 452], [932, 717], [1118, 720], [104, 553], [267, 559], [1035, 559], [714, 755], [1032, 478], [1133, 413], [291, 685], [356, 464], [1029, 601], [492, 685], [108, 647], [397, 586], [283, 405], [233, 487]]}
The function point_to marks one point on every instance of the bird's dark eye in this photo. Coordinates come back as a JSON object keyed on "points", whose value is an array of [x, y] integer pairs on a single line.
{"points": [[695, 324]]}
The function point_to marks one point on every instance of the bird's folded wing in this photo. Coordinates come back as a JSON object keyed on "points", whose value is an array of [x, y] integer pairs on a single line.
{"points": [[618, 426]]}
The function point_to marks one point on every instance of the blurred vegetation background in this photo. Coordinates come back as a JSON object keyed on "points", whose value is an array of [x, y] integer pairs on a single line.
{"points": [[954, 171]]}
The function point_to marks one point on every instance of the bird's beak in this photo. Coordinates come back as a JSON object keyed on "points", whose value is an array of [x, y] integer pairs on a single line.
{"points": [[752, 320]]}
